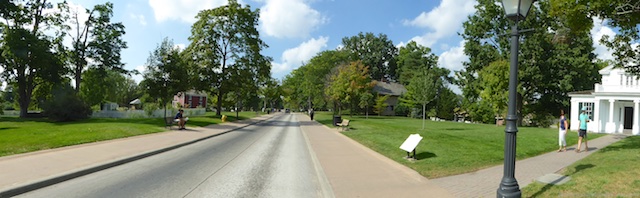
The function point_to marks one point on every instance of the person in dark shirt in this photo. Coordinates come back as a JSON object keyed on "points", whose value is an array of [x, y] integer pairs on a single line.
{"points": [[181, 120]]}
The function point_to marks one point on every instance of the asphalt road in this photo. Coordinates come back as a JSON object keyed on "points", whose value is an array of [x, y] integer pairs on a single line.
{"points": [[269, 159]]}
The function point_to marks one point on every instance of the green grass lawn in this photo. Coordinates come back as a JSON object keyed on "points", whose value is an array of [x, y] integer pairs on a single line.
{"points": [[19, 135], [611, 172], [447, 148]]}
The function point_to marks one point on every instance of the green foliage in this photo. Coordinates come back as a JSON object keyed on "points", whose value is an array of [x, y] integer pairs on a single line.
{"points": [[622, 15], [412, 59], [166, 73], [149, 108], [226, 50], [381, 104], [96, 39], [376, 52], [494, 79], [66, 105], [552, 62], [402, 109], [305, 86], [348, 83]]}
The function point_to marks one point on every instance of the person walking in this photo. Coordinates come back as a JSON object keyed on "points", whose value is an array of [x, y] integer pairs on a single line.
{"points": [[311, 113], [562, 132], [582, 132]]}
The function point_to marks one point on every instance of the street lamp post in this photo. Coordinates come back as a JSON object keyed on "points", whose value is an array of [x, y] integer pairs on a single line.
{"points": [[515, 10]]}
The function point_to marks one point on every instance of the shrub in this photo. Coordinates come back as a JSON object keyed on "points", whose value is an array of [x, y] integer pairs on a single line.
{"points": [[65, 105], [149, 108]]}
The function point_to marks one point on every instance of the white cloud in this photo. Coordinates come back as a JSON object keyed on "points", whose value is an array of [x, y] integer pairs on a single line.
{"points": [[180, 46], [295, 57], [452, 60], [138, 77], [289, 19], [443, 21], [140, 18], [599, 30], [185, 10]]}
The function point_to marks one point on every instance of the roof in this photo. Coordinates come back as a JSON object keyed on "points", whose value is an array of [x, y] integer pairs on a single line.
{"points": [[586, 92], [196, 93], [389, 88]]}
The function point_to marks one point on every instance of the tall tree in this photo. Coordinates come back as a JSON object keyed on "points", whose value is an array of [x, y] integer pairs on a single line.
{"points": [[541, 70], [223, 39], [423, 89], [376, 52], [348, 84], [412, 59], [166, 73], [95, 38], [624, 15], [28, 56]]}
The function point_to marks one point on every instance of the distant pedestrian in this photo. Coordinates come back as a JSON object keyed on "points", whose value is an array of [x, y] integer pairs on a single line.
{"points": [[562, 142], [582, 132], [311, 113], [181, 119]]}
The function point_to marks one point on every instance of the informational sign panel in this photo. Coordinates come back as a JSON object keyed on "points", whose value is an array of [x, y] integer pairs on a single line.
{"points": [[411, 142]]}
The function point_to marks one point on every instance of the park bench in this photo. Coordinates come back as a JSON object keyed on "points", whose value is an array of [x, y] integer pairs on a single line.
{"points": [[170, 121], [344, 125]]}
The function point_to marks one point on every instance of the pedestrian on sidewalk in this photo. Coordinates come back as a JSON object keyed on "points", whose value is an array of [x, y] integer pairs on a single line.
{"points": [[311, 113], [562, 132], [181, 119], [582, 132]]}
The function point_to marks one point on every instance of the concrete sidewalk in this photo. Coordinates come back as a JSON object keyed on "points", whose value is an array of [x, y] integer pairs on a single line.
{"points": [[24, 172], [484, 183], [356, 171]]}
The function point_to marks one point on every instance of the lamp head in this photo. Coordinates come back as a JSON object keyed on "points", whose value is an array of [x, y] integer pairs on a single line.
{"points": [[517, 9]]}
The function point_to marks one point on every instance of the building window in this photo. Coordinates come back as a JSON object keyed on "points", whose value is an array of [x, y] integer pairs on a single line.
{"points": [[589, 106]]}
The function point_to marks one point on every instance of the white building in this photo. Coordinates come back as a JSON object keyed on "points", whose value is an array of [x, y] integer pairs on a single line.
{"points": [[613, 106]]}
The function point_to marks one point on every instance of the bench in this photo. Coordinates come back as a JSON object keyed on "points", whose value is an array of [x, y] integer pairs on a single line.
{"points": [[170, 121], [344, 125]]}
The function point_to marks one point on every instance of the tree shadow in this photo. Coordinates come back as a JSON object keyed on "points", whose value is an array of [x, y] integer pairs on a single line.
{"points": [[7, 128], [632, 142], [577, 169]]}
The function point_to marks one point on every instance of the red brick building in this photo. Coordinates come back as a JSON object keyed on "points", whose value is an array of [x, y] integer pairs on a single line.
{"points": [[190, 99]]}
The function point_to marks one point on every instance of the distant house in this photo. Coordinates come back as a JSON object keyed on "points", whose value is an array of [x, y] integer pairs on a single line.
{"points": [[391, 89], [190, 99]]}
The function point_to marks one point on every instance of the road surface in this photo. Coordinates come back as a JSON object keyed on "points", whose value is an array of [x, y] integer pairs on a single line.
{"points": [[269, 159]]}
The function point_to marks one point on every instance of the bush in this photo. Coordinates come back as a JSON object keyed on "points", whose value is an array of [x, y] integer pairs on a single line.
{"points": [[65, 105], [149, 108], [402, 110]]}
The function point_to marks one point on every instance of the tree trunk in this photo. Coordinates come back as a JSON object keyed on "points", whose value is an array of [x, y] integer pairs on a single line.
{"points": [[424, 108], [219, 102]]}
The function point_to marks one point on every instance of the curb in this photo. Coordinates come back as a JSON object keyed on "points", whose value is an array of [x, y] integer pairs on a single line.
{"points": [[71, 175]]}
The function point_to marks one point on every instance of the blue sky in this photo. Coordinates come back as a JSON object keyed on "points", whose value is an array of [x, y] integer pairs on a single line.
{"points": [[296, 30]]}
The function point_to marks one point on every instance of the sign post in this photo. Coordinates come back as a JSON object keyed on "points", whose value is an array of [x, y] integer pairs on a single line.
{"points": [[410, 145]]}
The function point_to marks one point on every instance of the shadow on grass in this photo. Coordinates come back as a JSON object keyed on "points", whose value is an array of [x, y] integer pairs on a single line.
{"points": [[7, 128], [425, 155], [632, 142], [577, 169]]}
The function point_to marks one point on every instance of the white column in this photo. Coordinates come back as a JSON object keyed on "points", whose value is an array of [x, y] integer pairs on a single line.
{"points": [[611, 126], [596, 116], [636, 129]]}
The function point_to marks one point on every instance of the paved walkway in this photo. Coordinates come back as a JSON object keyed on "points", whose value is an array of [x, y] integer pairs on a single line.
{"points": [[484, 183], [354, 170]]}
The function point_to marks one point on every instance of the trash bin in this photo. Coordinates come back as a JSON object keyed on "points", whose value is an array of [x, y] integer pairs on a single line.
{"points": [[337, 119]]}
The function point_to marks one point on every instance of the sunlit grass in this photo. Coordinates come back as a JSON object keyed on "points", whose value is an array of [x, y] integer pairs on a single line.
{"points": [[19, 135], [448, 148]]}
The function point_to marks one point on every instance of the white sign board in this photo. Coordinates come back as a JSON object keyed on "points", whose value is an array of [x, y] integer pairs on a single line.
{"points": [[411, 142]]}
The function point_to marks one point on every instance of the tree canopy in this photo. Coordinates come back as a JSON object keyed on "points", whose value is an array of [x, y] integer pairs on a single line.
{"points": [[225, 48]]}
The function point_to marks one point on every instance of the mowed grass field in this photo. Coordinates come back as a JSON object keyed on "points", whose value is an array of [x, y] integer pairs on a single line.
{"points": [[19, 135], [447, 148], [614, 171]]}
